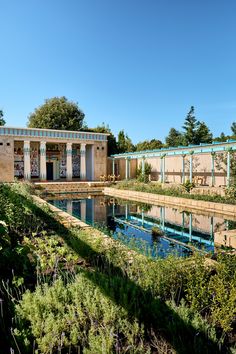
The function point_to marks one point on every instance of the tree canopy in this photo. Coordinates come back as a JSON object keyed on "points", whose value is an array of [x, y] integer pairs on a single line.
{"points": [[174, 138], [149, 145], [2, 121], [124, 143], [57, 113]]}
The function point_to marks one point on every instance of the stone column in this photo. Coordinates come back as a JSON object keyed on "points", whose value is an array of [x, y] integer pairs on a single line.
{"points": [[83, 161], [183, 169], [43, 169], [27, 166], [69, 161], [228, 168]]}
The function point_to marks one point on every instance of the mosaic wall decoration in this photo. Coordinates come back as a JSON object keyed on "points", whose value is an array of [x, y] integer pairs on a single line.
{"points": [[34, 161], [62, 166], [18, 162], [76, 163]]}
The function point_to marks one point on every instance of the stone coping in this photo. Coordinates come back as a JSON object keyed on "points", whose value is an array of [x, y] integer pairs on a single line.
{"points": [[185, 203]]}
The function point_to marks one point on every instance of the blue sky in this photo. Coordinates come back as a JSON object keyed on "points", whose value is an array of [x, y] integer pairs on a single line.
{"points": [[136, 65]]}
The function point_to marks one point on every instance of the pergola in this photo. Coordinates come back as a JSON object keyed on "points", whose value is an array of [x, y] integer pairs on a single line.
{"points": [[216, 147]]}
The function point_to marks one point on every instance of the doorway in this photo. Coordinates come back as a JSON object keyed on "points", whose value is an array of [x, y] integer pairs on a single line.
{"points": [[49, 171]]}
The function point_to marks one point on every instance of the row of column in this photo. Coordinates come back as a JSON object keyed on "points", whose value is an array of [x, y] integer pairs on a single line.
{"points": [[43, 166], [162, 168]]}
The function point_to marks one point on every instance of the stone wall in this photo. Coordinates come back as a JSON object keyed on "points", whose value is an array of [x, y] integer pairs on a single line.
{"points": [[100, 160], [6, 159]]}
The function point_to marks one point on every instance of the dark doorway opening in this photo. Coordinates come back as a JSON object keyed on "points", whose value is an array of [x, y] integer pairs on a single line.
{"points": [[49, 171]]}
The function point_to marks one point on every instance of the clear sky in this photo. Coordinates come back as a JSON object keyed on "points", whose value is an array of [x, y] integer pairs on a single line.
{"points": [[136, 65]]}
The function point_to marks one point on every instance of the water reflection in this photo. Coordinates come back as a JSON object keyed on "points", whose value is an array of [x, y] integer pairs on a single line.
{"points": [[182, 230]]}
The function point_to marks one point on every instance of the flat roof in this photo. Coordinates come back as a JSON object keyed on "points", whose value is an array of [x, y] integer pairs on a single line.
{"points": [[216, 146], [52, 133]]}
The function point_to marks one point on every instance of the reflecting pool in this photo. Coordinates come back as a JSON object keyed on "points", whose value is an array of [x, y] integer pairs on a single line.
{"points": [[134, 223]]}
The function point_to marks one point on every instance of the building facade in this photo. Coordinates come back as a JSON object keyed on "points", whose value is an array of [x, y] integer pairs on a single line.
{"points": [[45, 154], [204, 164]]}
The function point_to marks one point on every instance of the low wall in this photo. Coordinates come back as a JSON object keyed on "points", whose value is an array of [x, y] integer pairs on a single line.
{"points": [[156, 199], [71, 187]]}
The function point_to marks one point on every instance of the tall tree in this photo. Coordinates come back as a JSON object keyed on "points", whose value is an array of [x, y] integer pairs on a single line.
{"points": [[203, 134], [190, 127], [124, 143], [149, 145], [174, 138], [2, 121], [57, 113], [233, 128]]}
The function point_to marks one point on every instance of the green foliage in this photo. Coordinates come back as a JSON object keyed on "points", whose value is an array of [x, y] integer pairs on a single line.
{"points": [[124, 143], [93, 294], [57, 113], [171, 190], [147, 171], [149, 145], [174, 138], [233, 128], [188, 185], [2, 121]]}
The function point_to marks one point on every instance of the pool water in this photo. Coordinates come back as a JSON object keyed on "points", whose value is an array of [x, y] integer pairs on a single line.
{"points": [[133, 222]]}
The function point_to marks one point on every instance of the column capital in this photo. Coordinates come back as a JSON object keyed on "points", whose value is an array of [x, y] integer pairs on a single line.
{"points": [[69, 148], [42, 148], [26, 148]]}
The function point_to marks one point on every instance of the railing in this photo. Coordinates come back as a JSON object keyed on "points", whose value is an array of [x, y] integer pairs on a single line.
{"points": [[48, 133]]}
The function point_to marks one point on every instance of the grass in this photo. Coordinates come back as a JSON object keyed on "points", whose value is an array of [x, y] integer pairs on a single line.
{"points": [[74, 290], [173, 191]]}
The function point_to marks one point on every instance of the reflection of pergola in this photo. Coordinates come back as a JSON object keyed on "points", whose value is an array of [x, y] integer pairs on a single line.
{"points": [[183, 151]]}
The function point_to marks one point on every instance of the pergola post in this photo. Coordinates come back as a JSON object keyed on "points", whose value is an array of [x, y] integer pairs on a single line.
{"points": [[113, 166], [143, 166], [183, 169], [213, 169], [161, 175], [191, 167], [164, 168], [228, 168], [126, 168]]}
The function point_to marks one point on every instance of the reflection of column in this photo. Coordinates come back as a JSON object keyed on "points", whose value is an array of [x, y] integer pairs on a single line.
{"points": [[82, 161], [126, 211], [162, 217], [212, 227], [113, 166], [27, 167], [142, 217], [183, 169], [83, 210], [43, 172], [228, 168], [69, 207], [113, 209], [212, 169], [69, 161], [182, 223], [126, 168], [190, 226]]}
